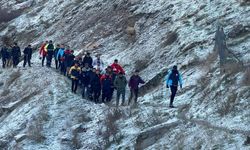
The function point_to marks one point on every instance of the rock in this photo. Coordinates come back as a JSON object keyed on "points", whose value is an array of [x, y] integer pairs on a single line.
{"points": [[247, 142], [3, 144], [171, 38], [20, 137], [131, 31], [78, 128], [244, 2], [238, 30]]}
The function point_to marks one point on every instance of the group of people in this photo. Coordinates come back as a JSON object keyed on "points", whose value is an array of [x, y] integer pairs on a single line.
{"points": [[11, 55], [97, 82]]}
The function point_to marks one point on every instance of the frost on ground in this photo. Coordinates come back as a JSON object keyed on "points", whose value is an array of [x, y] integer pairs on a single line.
{"points": [[38, 111]]}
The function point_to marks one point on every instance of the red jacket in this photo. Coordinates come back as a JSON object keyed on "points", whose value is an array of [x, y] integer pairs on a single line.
{"points": [[117, 68], [42, 51]]}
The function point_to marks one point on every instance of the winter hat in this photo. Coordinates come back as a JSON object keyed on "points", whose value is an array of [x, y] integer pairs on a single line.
{"points": [[174, 67]]}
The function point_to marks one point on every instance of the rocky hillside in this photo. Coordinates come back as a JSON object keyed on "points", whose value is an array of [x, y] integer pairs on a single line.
{"points": [[213, 109]]}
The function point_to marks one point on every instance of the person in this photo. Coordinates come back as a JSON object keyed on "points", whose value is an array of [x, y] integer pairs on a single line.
{"points": [[27, 55], [50, 51], [60, 58], [88, 59], [4, 55], [43, 52], [69, 59], [16, 54], [55, 55], [85, 80], [107, 83], [134, 82], [98, 63], [172, 80], [117, 68], [120, 84], [110, 71], [75, 72], [95, 83]]}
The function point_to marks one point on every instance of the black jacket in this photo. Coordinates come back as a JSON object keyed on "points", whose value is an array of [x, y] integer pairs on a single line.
{"points": [[88, 60], [27, 51], [16, 52], [4, 53]]}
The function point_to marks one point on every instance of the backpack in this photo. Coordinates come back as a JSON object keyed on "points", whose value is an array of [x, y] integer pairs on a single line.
{"points": [[174, 76]]}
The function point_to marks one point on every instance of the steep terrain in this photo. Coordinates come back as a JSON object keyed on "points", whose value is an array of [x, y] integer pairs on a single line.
{"points": [[39, 112]]}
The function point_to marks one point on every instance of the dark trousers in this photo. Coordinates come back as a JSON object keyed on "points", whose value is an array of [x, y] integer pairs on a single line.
{"points": [[4, 62], [74, 85], [56, 63], [119, 94], [43, 58], [49, 59], [85, 91], [96, 93], [26, 59], [173, 93], [15, 61], [62, 68], [106, 95], [133, 94]]}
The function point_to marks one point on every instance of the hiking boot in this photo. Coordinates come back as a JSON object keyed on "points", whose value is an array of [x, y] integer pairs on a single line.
{"points": [[171, 106]]}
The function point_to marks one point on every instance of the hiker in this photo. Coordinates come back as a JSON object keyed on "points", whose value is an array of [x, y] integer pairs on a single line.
{"points": [[43, 52], [120, 84], [110, 71], [50, 51], [172, 80], [95, 83], [75, 72], [117, 68], [60, 58], [106, 82], [16, 54], [87, 59], [27, 55], [69, 59], [134, 82], [85, 80], [4, 55], [55, 55], [98, 63]]}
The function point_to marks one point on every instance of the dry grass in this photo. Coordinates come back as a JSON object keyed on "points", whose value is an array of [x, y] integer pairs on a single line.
{"points": [[246, 77], [12, 78], [34, 131], [228, 105]]}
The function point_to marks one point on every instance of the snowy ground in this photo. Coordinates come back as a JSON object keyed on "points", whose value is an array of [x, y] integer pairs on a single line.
{"points": [[212, 109]]}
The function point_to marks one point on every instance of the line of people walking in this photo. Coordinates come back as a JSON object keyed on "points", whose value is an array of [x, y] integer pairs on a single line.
{"points": [[97, 82]]}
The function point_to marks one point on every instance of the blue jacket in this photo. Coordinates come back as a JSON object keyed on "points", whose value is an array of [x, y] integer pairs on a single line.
{"points": [[173, 78], [60, 53]]}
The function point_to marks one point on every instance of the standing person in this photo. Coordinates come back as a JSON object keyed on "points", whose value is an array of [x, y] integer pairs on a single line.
{"points": [[117, 68], [27, 55], [87, 59], [69, 60], [85, 80], [66, 62], [172, 80], [4, 55], [75, 72], [50, 51], [16, 54], [106, 82], [55, 55], [43, 52], [95, 83], [134, 82], [120, 85], [110, 71], [98, 63], [60, 58]]}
